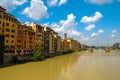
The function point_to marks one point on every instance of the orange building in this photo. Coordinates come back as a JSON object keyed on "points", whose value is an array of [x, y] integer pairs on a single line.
{"points": [[25, 42]]}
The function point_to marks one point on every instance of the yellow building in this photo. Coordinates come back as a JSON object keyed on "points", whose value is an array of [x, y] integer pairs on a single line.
{"points": [[73, 44], [69, 44], [65, 44], [8, 25], [39, 35]]}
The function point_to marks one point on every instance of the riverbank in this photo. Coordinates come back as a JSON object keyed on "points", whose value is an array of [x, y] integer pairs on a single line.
{"points": [[6, 65], [32, 59]]}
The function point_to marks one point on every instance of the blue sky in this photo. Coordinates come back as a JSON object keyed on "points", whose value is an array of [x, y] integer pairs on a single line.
{"points": [[92, 22]]}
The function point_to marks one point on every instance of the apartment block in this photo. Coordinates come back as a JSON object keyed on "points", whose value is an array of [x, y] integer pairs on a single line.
{"points": [[25, 41], [8, 24], [59, 45], [39, 36], [50, 40]]}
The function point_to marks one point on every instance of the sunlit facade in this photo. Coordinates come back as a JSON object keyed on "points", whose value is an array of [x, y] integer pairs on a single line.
{"points": [[8, 24], [25, 41], [39, 35]]}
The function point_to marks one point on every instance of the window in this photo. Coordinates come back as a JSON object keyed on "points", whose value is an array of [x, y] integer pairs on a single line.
{"points": [[19, 32], [13, 25], [13, 31], [12, 41], [7, 24], [12, 36], [6, 41], [7, 30], [7, 35], [19, 46], [3, 30]]}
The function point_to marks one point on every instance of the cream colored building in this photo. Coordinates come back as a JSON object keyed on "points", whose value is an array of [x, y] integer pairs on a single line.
{"points": [[39, 35], [59, 45]]}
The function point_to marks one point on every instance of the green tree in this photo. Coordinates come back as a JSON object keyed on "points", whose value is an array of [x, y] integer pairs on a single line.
{"points": [[38, 56]]}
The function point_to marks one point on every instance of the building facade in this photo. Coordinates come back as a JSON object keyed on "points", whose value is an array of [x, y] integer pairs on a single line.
{"points": [[39, 36], [8, 29], [25, 41], [59, 45], [50, 42]]}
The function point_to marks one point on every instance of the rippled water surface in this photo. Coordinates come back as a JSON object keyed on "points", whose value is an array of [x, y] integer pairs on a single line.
{"points": [[77, 66]]}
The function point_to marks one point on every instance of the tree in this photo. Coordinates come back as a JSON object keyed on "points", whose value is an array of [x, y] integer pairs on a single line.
{"points": [[37, 56]]}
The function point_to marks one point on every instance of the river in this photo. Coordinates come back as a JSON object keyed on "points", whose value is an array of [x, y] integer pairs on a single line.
{"points": [[85, 65]]}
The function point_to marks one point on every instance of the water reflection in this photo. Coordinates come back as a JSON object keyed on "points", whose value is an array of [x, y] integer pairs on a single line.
{"points": [[49, 69], [78, 66]]}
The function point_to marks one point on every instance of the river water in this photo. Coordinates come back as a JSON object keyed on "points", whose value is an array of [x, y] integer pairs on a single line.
{"points": [[84, 65]]}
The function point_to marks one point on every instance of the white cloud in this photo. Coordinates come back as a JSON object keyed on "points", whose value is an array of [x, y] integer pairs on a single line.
{"points": [[73, 33], [100, 31], [37, 10], [100, 2], [114, 31], [90, 27], [94, 34], [56, 27], [62, 2], [84, 39], [113, 35], [97, 33], [52, 2], [9, 5], [92, 19], [19, 2], [65, 25], [56, 2]]}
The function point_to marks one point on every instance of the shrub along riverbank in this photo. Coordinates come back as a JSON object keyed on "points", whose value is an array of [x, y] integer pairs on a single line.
{"points": [[37, 56]]}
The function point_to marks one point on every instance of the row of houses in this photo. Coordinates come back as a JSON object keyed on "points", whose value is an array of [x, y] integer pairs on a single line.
{"points": [[31, 36], [23, 39]]}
